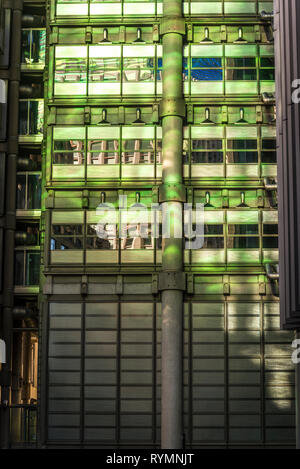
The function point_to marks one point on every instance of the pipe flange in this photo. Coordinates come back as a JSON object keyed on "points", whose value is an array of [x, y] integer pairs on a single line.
{"points": [[172, 193], [172, 107], [172, 24], [171, 281]]}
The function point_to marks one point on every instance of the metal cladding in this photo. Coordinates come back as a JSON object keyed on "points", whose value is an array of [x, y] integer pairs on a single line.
{"points": [[287, 41], [145, 340]]}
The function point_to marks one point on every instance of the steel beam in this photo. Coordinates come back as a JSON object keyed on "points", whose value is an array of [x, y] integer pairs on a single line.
{"points": [[172, 251], [10, 198]]}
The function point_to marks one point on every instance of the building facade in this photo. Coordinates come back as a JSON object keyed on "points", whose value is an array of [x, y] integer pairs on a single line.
{"points": [[118, 107]]}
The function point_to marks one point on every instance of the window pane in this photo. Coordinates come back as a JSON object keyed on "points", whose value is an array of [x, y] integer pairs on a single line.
{"points": [[243, 243], [270, 243], [270, 229], [71, 70], [38, 46], [206, 62], [206, 75], [241, 74], [242, 144], [138, 69], [213, 229], [207, 157], [19, 268], [21, 191], [268, 157], [267, 74], [242, 157], [32, 268], [25, 49], [241, 62], [34, 191], [36, 117], [207, 144], [243, 229], [267, 62], [213, 243]]}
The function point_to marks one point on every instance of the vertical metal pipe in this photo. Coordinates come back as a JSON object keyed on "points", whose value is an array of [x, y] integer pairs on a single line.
{"points": [[297, 388], [10, 198], [172, 254]]}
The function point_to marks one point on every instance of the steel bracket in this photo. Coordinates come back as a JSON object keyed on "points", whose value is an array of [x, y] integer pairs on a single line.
{"points": [[171, 281]]}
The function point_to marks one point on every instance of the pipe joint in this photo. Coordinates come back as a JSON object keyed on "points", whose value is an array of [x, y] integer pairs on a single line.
{"points": [[171, 281], [172, 192], [172, 107], [272, 271], [172, 24]]}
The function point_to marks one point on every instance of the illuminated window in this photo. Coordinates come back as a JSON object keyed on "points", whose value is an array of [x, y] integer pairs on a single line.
{"points": [[104, 70], [33, 46]]}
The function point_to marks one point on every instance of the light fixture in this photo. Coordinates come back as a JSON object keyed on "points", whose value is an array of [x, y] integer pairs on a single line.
{"points": [[105, 37], [104, 120], [207, 200], [206, 38], [241, 119], [138, 117], [139, 36], [240, 39], [242, 204], [207, 117]]}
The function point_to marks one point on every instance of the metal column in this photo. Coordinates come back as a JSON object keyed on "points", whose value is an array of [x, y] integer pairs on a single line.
{"points": [[10, 198], [172, 196]]}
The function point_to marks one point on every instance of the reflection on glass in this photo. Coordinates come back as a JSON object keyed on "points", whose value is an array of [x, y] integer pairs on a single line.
{"points": [[66, 236], [27, 268], [32, 268], [101, 237], [34, 191], [104, 70], [28, 191], [138, 151], [71, 152], [21, 192], [33, 46], [206, 69], [243, 242], [31, 117], [138, 69], [103, 152], [243, 229], [242, 157], [72, 70], [207, 157], [138, 236]]}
